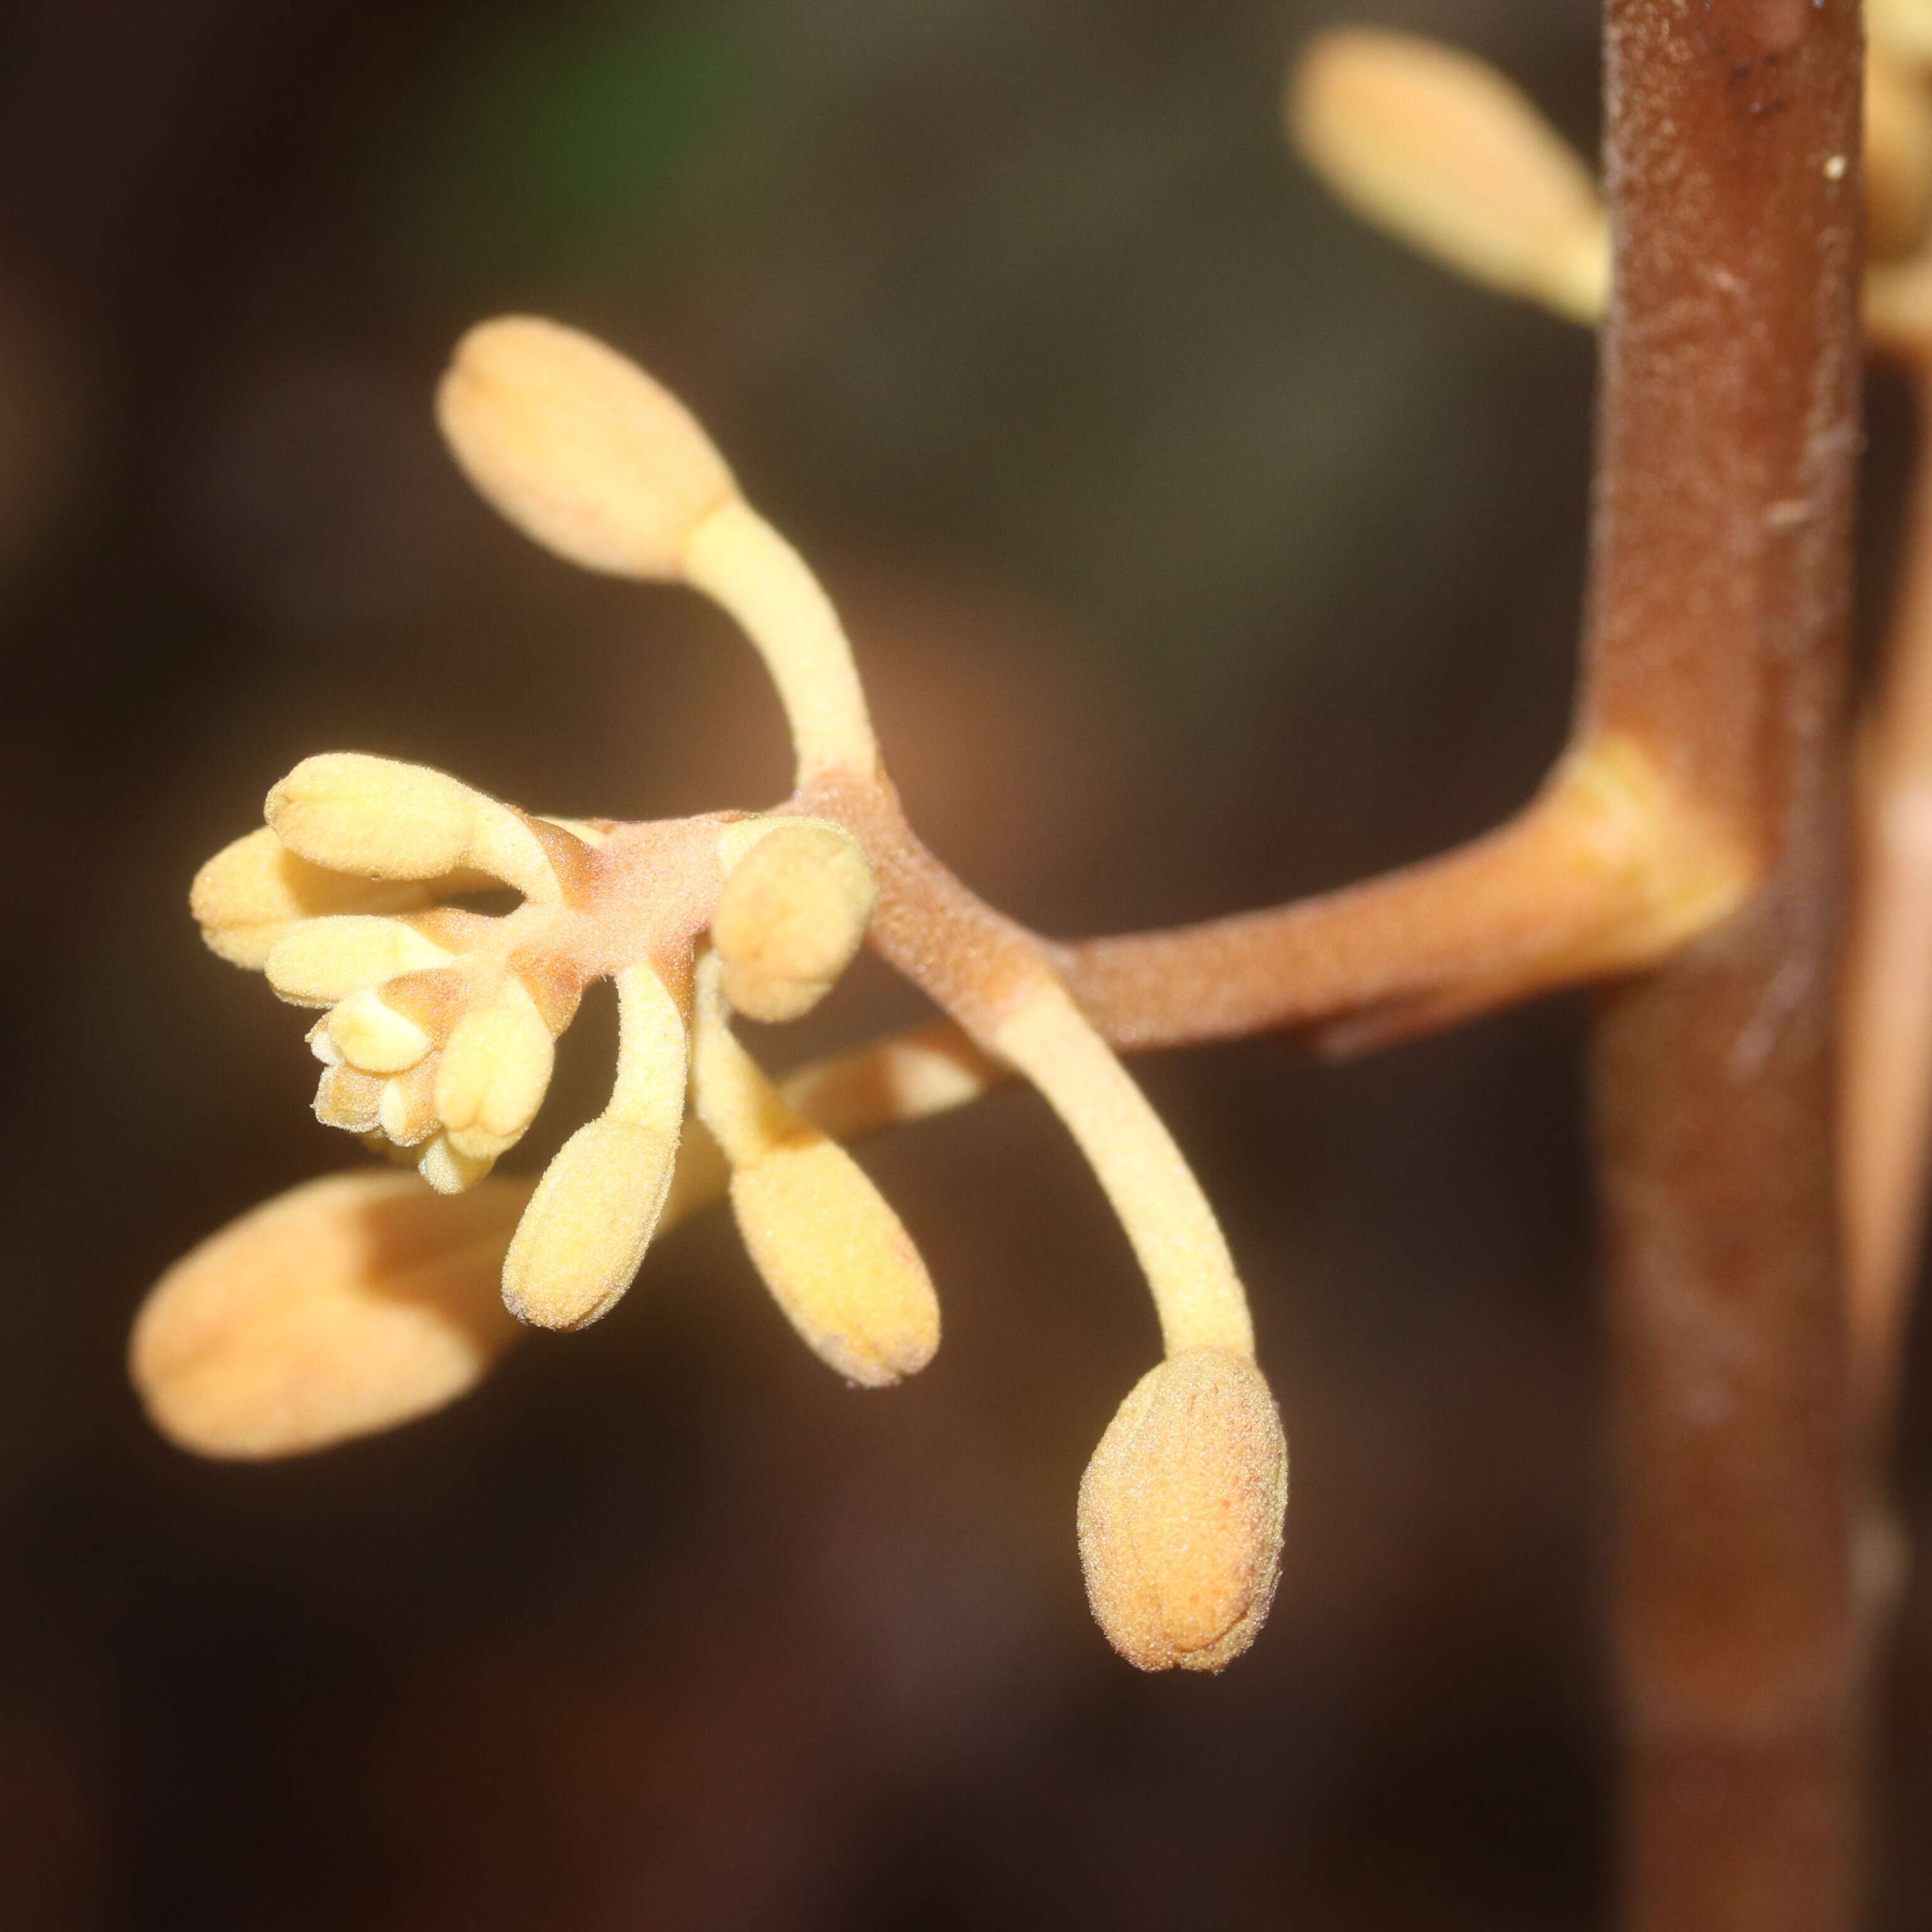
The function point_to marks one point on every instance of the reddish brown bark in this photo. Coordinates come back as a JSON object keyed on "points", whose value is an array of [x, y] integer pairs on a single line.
{"points": [[1720, 586]]}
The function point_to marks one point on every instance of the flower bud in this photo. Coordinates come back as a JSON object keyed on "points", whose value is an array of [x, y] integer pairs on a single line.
{"points": [[838, 1260], [346, 1305], [495, 1069], [578, 448], [1442, 150], [406, 1112], [249, 895], [789, 916], [375, 816], [1180, 1513], [839, 1264], [350, 1100], [371, 1036], [447, 1168], [321, 960], [583, 1236]]}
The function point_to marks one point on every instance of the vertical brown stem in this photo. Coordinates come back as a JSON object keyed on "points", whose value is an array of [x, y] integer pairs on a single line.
{"points": [[1720, 587]]}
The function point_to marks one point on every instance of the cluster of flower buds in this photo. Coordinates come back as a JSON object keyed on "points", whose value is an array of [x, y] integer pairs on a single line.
{"points": [[437, 1042], [1439, 149], [439, 1038], [440, 1019]]}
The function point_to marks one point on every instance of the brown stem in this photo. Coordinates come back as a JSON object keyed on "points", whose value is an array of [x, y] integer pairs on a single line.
{"points": [[1720, 586], [1449, 920], [1607, 869]]}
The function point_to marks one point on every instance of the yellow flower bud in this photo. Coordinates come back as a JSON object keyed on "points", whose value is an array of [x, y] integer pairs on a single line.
{"points": [[406, 1112], [1442, 150], [1180, 1513], [375, 816], [350, 1100], [447, 1169], [495, 1069], [321, 960], [792, 913], [371, 1036], [583, 1237], [388, 820], [249, 895], [838, 1260], [578, 448], [347, 1305], [838, 1263]]}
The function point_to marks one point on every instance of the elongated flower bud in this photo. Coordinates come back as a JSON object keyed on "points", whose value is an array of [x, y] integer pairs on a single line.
{"points": [[583, 1236], [586, 454], [1180, 1513], [577, 447], [838, 1260], [388, 820], [251, 893], [1442, 150], [375, 816], [324, 960], [347, 1305], [791, 914]]}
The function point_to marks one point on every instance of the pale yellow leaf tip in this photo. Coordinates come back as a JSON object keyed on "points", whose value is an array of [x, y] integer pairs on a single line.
{"points": [[346, 1305], [790, 915], [583, 1237], [1180, 1513], [838, 1260], [1441, 150], [578, 448]]}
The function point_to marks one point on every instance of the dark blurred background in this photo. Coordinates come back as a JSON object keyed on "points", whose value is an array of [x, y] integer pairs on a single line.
{"points": [[1201, 549]]}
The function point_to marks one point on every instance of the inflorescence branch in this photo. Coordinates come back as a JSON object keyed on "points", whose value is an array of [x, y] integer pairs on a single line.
{"points": [[354, 1302], [438, 1038]]}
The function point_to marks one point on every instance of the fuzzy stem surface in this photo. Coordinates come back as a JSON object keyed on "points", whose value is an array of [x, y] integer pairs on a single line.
{"points": [[1720, 582]]}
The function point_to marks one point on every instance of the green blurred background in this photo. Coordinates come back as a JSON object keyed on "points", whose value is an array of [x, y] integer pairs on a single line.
{"points": [[1201, 549]]}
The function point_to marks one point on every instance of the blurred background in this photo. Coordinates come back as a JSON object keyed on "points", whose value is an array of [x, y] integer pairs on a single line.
{"points": [[1201, 549]]}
